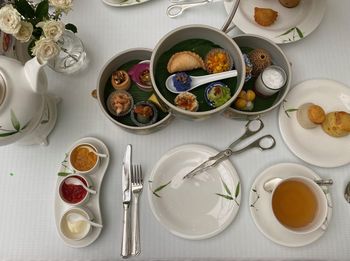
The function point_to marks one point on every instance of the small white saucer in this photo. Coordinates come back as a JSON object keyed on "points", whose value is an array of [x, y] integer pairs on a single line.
{"points": [[195, 208], [259, 201]]}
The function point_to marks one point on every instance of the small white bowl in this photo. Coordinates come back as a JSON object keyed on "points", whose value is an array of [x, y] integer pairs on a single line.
{"points": [[66, 227], [86, 197], [88, 171]]}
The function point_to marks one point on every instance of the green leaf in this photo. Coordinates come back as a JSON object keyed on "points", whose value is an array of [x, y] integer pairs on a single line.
{"points": [[72, 28], [154, 193], [287, 32], [25, 9], [299, 33], [226, 188], [42, 10], [2, 135], [15, 123], [289, 110], [225, 196], [161, 187], [237, 190], [63, 174]]}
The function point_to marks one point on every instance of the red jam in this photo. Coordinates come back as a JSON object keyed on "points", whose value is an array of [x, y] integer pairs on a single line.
{"points": [[73, 193]]}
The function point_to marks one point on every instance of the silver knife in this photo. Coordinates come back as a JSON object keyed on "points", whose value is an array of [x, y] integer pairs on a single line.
{"points": [[126, 187]]}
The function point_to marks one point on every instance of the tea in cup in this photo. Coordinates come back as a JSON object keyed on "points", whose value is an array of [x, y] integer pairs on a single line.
{"points": [[299, 204], [84, 158]]}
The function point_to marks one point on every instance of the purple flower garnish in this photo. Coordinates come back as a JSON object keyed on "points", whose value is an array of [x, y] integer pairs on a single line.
{"points": [[182, 81]]}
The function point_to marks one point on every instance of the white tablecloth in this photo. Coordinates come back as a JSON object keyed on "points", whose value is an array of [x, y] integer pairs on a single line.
{"points": [[27, 226]]}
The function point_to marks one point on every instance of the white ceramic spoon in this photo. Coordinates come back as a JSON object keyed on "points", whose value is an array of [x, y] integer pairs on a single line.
{"points": [[75, 181], [75, 217], [99, 154], [200, 80]]}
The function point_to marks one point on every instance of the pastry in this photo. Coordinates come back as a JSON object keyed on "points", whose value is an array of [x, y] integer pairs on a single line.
{"points": [[121, 80], [186, 101], [184, 61], [337, 124], [260, 59], [310, 115], [218, 60], [265, 16], [119, 103], [289, 3]]}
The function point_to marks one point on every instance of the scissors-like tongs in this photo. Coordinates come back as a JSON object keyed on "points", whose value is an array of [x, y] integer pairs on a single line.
{"points": [[265, 142]]}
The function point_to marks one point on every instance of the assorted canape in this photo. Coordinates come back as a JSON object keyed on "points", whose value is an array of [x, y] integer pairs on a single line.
{"points": [[217, 94]]}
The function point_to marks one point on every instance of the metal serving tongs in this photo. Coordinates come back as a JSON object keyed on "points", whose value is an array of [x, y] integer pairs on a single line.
{"points": [[180, 5], [252, 127]]}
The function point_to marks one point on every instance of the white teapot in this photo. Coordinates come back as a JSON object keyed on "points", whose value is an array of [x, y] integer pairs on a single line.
{"points": [[27, 113]]}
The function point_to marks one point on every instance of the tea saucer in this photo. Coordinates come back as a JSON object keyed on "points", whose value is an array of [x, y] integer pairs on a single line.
{"points": [[124, 3], [305, 143], [196, 208], [292, 24], [260, 209]]}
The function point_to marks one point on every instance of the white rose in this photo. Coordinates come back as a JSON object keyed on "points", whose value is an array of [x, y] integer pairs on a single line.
{"points": [[25, 32], [45, 49], [62, 5], [10, 20], [52, 29]]}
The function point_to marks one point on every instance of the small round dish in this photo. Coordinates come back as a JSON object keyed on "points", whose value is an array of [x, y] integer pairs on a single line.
{"points": [[196, 208], [120, 103], [314, 146], [78, 230], [140, 74], [144, 113], [217, 94], [74, 195], [83, 159], [262, 213]]}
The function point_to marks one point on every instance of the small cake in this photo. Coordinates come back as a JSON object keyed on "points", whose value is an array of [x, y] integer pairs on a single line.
{"points": [[184, 61], [289, 3], [182, 81], [310, 115], [245, 100], [186, 101], [218, 60], [337, 124], [260, 59], [121, 80], [144, 113], [265, 16], [217, 94], [119, 103]]}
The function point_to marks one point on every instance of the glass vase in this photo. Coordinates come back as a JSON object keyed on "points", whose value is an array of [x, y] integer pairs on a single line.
{"points": [[72, 56]]}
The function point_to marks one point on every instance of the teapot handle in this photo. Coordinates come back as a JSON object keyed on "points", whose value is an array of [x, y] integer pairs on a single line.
{"points": [[36, 76]]}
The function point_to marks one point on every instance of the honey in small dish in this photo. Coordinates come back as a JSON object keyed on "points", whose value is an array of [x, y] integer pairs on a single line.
{"points": [[83, 158]]}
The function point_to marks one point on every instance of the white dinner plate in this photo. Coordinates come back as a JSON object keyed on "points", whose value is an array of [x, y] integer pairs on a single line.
{"points": [[261, 210], [195, 208], [124, 3], [314, 145], [292, 24]]}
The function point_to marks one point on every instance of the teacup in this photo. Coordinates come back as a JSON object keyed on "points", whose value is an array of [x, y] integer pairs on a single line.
{"points": [[84, 158], [297, 203]]}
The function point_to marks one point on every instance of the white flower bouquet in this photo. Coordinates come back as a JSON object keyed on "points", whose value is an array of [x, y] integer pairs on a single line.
{"points": [[38, 23]]}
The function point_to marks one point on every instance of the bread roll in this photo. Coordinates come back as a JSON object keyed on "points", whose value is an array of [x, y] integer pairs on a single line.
{"points": [[337, 124]]}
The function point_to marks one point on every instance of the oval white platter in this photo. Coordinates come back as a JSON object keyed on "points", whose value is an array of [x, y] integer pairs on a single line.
{"points": [[93, 203], [196, 208], [124, 3], [292, 24], [261, 211], [313, 145]]}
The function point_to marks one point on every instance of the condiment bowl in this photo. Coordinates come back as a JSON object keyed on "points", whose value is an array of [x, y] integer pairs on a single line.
{"points": [[76, 231], [64, 191], [205, 33], [80, 161], [278, 58]]}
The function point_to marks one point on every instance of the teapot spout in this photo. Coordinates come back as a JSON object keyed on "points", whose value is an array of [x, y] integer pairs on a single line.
{"points": [[36, 76]]}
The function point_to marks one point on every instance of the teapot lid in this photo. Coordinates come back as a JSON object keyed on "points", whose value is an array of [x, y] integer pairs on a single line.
{"points": [[2, 89]]}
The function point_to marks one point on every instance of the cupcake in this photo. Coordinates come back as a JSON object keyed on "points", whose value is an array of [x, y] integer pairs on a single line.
{"points": [[260, 60], [121, 80], [218, 60], [144, 113], [217, 94], [119, 103], [186, 101], [310, 115]]}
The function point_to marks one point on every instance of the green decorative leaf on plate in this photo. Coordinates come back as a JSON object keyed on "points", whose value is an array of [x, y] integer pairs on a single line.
{"points": [[226, 188], [159, 189], [2, 135], [225, 196], [299, 32], [15, 123], [237, 189]]}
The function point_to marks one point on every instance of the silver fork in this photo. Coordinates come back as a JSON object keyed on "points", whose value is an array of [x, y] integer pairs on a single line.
{"points": [[136, 187]]}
